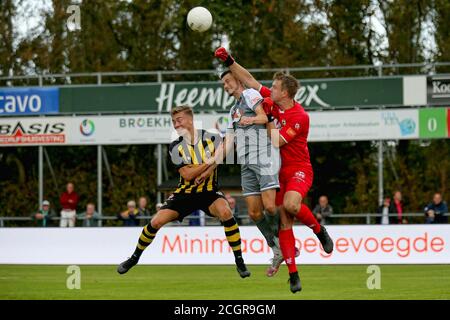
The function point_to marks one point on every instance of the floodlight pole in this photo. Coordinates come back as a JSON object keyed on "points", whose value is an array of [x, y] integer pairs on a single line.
{"points": [[159, 173], [41, 175], [99, 171], [380, 173], [99, 183], [380, 159], [159, 160], [41, 164]]}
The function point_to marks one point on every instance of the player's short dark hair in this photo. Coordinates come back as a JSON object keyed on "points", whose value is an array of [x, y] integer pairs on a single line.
{"points": [[223, 74], [288, 83], [184, 109]]}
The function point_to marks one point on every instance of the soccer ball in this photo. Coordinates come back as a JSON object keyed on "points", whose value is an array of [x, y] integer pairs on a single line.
{"points": [[199, 19]]}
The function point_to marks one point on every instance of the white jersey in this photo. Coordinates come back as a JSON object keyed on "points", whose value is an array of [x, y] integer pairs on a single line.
{"points": [[252, 143]]}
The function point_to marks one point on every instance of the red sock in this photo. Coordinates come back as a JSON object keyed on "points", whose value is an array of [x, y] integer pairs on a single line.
{"points": [[307, 218], [287, 245]]}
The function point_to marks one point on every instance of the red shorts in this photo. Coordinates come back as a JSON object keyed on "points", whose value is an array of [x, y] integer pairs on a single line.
{"points": [[294, 179]]}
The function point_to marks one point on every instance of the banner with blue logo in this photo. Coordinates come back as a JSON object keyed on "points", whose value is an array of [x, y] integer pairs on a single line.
{"points": [[15, 101]]}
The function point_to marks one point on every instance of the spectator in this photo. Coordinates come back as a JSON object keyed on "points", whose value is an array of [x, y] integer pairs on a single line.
{"points": [[143, 210], [43, 216], [91, 217], [233, 206], [129, 216], [435, 212], [397, 207], [323, 210], [69, 202], [384, 210]]}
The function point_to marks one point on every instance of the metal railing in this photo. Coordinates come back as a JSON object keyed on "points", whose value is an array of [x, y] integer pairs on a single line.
{"points": [[98, 78], [243, 218]]}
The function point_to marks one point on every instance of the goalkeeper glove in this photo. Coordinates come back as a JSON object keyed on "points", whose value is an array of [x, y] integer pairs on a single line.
{"points": [[223, 55]]}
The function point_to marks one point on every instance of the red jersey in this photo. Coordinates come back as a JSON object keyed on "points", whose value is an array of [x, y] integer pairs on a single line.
{"points": [[66, 204], [294, 128]]}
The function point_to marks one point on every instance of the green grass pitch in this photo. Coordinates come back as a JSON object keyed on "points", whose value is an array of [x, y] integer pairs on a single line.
{"points": [[178, 282]]}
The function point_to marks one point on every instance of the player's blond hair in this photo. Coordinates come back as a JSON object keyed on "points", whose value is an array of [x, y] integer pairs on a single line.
{"points": [[184, 109]]}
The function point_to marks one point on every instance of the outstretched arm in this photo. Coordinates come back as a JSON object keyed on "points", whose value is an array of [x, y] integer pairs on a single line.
{"points": [[238, 71], [244, 76]]}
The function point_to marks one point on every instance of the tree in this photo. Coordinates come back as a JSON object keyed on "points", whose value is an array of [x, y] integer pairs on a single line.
{"points": [[7, 36], [442, 24], [404, 21]]}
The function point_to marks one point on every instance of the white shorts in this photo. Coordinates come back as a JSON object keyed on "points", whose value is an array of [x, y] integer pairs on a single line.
{"points": [[67, 218]]}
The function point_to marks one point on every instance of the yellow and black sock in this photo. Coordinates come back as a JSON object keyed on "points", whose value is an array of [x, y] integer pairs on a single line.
{"points": [[233, 237], [146, 238]]}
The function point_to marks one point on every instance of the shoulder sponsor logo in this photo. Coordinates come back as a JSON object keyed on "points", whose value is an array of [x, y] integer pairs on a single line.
{"points": [[291, 132], [255, 100]]}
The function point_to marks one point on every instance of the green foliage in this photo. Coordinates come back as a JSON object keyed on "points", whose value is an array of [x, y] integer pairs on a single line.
{"points": [[7, 56], [442, 23], [404, 21], [152, 35]]}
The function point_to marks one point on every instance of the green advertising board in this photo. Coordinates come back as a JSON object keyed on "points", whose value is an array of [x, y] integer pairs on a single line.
{"points": [[326, 94], [433, 123]]}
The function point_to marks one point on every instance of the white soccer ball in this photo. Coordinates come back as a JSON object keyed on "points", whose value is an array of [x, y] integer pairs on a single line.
{"points": [[199, 19]]}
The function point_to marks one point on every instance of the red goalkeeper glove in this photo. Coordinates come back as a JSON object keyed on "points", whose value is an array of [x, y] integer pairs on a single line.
{"points": [[223, 55]]}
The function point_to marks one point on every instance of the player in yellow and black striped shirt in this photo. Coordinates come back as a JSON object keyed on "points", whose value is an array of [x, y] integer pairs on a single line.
{"points": [[194, 154], [183, 154]]}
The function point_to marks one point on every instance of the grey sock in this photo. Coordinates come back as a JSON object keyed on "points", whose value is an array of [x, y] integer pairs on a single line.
{"points": [[266, 229], [273, 221]]}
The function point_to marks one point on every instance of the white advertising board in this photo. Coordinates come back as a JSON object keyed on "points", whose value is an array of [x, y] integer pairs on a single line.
{"points": [[364, 125], [154, 129], [356, 244]]}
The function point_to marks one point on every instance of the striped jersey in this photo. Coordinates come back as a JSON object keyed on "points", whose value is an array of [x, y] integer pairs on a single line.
{"points": [[183, 153]]}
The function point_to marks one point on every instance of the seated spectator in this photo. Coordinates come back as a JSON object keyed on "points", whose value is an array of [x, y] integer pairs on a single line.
{"points": [[323, 210], [44, 215], [91, 217], [397, 206], [435, 212], [384, 210], [129, 216]]}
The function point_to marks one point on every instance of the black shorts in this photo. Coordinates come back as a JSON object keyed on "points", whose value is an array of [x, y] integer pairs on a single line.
{"points": [[186, 203]]}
